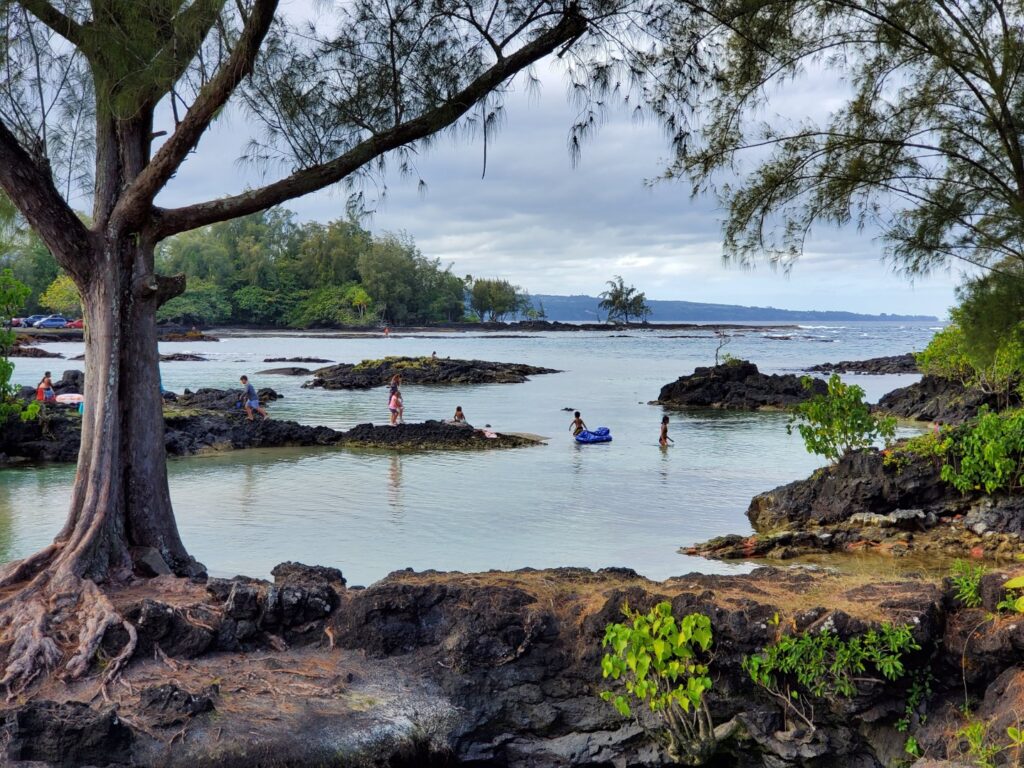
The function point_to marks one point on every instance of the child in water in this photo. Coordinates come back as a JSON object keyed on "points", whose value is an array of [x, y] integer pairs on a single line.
{"points": [[459, 417], [664, 440], [577, 425]]}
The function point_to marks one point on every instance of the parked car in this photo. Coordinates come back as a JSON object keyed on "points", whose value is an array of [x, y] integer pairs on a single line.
{"points": [[79, 323], [31, 320], [16, 322], [53, 321]]}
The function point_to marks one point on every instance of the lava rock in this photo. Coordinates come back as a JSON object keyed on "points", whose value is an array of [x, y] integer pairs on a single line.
{"points": [[737, 385], [66, 734], [906, 363], [421, 370], [936, 399], [285, 372], [166, 705]]}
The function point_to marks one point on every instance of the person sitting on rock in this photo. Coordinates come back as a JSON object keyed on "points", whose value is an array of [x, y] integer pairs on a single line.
{"points": [[251, 400], [459, 419], [577, 424]]}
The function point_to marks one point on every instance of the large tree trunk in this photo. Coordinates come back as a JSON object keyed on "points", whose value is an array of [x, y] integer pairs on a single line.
{"points": [[121, 499]]}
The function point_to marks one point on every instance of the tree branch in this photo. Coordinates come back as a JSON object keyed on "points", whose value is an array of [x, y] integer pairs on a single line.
{"points": [[171, 221], [135, 204], [32, 191], [63, 25]]}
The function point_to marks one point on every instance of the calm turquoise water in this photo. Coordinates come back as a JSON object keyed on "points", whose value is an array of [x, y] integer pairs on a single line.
{"points": [[627, 503]]}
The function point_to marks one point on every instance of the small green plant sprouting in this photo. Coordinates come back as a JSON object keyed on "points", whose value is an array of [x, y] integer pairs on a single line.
{"points": [[800, 668], [974, 735], [1013, 600], [912, 748], [918, 693], [967, 580], [661, 662], [838, 421]]}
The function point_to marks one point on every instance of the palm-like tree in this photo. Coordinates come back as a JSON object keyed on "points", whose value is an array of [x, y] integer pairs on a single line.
{"points": [[622, 302]]}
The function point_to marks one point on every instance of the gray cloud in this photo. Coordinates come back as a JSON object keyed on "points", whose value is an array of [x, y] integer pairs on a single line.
{"points": [[553, 228]]}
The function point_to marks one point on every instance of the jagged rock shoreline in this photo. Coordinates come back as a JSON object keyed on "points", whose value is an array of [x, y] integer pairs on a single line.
{"points": [[905, 363], [736, 385], [210, 420], [421, 370], [495, 669], [876, 502]]}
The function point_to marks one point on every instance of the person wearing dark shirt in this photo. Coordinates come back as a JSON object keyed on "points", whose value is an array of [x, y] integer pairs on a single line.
{"points": [[251, 400]]}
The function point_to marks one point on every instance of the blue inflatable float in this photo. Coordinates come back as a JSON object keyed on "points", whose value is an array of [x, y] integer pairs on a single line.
{"points": [[599, 435]]}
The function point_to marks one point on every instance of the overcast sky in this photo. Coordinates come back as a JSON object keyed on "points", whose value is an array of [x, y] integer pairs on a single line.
{"points": [[552, 228]]}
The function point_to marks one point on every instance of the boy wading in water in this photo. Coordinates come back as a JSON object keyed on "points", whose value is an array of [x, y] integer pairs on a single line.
{"points": [[664, 440], [251, 400], [577, 424]]}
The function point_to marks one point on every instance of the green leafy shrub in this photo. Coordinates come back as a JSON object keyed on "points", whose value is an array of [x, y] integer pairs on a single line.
{"points": [[987, 455], [658, 662], [967, 580], [800, 668], [946, 356], [13, 295], [839, 420], [926, 446]]}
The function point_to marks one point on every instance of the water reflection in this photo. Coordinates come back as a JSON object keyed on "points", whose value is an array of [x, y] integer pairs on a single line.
{"points": [[395, 501], [370, 512]]}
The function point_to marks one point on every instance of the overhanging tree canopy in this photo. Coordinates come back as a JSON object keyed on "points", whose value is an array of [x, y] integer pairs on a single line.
{"points": [[110, 97], [927, 146]]}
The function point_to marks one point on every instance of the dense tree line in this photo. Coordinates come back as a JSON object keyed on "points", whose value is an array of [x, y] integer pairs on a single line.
{"points": [[267, 269]]}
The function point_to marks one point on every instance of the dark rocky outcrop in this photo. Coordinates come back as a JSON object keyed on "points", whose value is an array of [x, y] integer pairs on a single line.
{"points": [[24, 350], [295, 360], [737, 385], [503, 669], [182, 357], [221, 399], [291, 371], [906, 363], [191, 428], [421, 370], [866, 503], [66, 734], [168, 704], [936, 399], [428, 435]]}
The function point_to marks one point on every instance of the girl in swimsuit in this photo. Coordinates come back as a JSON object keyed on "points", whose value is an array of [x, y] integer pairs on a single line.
{"points": [[46, 387]]}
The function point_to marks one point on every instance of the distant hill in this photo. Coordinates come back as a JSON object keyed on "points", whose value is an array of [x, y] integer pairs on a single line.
{"points": [[584, 308]]}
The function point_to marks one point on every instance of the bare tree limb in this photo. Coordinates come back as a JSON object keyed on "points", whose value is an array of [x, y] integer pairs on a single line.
{"points": [[63, 25], [302, 182], [32, 191], [135, 203]]}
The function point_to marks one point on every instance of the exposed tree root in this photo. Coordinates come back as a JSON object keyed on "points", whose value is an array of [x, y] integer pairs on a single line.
{"points": [[36, 621], [20, 571]]}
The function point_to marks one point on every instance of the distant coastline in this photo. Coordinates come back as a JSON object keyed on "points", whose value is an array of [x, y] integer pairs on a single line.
{"points": [[586, 309]]}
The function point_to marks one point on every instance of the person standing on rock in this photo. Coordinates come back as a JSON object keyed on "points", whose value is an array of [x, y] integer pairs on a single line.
{"points": [[395, 406], [251, 400], [44, 390]]}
